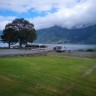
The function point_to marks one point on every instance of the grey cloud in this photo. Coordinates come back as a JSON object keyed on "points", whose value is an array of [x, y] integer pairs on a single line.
{"points": [[83, 13], [69, 13]]}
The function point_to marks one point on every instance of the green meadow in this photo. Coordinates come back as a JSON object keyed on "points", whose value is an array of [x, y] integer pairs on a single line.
{"points": [[47, 76]]}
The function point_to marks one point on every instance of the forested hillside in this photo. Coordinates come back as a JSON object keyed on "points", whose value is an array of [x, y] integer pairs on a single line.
{"points": [[86, 35]]}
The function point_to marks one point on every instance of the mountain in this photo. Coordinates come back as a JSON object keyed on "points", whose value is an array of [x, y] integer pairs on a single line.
{"points": [[85, 35]]}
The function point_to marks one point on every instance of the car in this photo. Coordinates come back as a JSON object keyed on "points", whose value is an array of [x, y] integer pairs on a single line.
{"points": [[59, 48]]}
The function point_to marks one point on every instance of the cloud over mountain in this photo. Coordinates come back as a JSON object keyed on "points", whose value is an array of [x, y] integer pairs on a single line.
{"points": [[64, 13]]}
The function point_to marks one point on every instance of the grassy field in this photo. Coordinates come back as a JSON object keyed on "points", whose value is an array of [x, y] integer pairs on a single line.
{"points": [[47, 76]]}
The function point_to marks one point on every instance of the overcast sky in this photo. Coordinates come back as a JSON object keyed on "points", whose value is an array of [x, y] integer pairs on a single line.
{"points": [[49, 13]]}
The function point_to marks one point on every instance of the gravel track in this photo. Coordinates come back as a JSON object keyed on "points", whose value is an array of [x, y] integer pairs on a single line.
{"points": [[16, 52]]}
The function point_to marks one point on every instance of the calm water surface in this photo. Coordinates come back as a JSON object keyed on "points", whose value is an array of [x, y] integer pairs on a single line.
{"points": [[68, 46], [74, 46]]}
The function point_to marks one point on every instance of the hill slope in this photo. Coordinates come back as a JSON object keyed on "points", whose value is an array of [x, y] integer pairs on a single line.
{"points": [[86, 35]]}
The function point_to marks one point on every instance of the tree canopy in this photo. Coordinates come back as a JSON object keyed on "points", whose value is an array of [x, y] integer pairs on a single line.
{"points": [[20, 30]]}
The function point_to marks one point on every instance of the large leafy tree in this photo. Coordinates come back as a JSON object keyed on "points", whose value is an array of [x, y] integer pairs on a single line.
{"points": [[25, 32]]}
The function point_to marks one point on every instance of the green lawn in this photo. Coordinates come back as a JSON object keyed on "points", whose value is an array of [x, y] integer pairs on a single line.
{"points": [[47, 76]]}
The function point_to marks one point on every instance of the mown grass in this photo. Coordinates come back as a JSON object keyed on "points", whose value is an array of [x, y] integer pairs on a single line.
{"points": [[47, 76]]}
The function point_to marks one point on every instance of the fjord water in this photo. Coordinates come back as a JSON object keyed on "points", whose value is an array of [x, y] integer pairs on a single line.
{"points": [[3, 44], [68, 46], [74, 46]]}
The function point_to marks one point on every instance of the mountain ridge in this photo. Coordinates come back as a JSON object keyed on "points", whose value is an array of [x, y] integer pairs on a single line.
{"points": [[85, 35]]}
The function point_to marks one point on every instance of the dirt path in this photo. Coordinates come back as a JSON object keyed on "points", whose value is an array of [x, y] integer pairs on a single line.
{"points": [[75, 54], [21, 52], [89, 71]]}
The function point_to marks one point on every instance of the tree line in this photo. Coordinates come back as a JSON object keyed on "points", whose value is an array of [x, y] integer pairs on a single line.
{"points": [[19, 30]]}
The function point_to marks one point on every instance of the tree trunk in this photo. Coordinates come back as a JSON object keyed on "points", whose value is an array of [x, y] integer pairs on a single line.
{"points": [[20, 44], [26, 44], [9, 45]]}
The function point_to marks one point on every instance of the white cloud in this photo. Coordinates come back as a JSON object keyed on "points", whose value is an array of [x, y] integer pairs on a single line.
{"points": [[82, 13], [38, 5], [69, 13], [4, 21]]}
